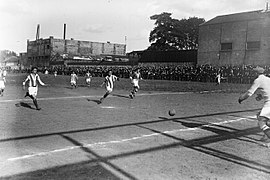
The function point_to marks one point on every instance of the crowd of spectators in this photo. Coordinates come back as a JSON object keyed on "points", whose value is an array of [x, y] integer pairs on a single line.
{"points": [[201, 73]]}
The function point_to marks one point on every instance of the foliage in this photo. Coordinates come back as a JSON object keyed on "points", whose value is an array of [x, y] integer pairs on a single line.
{"points": [[5, 54], [173, 34]]}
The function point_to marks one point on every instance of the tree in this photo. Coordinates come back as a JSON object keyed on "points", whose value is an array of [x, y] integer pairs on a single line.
{"points": [[5, 54], [173, 34]]}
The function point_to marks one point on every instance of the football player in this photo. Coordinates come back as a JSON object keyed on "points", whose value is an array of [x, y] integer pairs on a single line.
{"points": [[261, 83], [135, 77], [33, 79], [109, 83], [73, 80], [2, 82]]}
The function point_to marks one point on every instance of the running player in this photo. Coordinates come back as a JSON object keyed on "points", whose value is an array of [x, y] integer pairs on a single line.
{"points": [[109, 82], [218, 78], [73, 80], [262, 84], [2, 82], [55, 73], [33, 78], [135, 77], [88, 78]]}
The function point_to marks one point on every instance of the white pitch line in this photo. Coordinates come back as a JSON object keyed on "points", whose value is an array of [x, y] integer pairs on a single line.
{"points": [[51, 98], [95, 96], [108, 107], [121, 140]]}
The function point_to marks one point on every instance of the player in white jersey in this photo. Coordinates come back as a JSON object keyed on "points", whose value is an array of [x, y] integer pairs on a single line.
{"points": [[33, 80], [88, 77], [109, 83], [73, 80], [2, 82], [135, 77], [261, 84], [5, 72], [55, 73], [218, 78]]}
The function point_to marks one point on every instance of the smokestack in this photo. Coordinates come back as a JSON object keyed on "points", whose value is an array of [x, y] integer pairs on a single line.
{"points": [[266, 6], [64, 31], [37, 34]]}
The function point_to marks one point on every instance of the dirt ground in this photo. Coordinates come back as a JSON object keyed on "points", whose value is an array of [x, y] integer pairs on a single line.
{"points": [[73, 137]]}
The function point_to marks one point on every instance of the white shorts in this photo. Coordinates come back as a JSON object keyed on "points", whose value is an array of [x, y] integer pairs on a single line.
{"points": [[2, 85], [265, 112], [88, 80], [73, 82], [33, 91], [109, 89], [135, 83]]}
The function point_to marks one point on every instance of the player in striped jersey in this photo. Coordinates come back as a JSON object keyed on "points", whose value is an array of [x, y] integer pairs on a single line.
{"points": [[109, 82], [2, 82], [135, 77], [33, 80]]}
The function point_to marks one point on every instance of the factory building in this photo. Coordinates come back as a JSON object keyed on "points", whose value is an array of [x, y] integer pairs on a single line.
{"points": [[44, 52], [236, 39]]}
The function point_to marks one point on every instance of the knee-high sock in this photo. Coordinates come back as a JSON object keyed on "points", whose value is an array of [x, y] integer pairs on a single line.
{"points": [[267, 133], [35, 103], [105, 95], [266, 130]]}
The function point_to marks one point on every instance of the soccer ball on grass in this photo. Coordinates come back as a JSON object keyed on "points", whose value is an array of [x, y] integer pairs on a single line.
{"points": [[172, 112]]}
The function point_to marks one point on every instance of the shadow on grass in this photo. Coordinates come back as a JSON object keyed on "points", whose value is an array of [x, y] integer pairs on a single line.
{"points": [[198, 145], [161, 119], [69, 87], [76, 171], [119, 95], [94, 100], [23, 104]]}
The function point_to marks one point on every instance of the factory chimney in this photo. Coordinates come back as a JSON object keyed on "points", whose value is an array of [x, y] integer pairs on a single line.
{"points": [[64, 31], [37, 34]]}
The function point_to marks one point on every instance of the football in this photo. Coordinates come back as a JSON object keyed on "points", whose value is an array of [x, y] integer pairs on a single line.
{"points": [[171, 112]]}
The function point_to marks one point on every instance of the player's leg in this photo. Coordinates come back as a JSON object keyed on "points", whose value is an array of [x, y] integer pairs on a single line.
{"points": [[263, 123], [33, 96], [36, 103], [108, 92], [136, 89], [133, 92], [88, 82], [72, 85], [2, 87]]}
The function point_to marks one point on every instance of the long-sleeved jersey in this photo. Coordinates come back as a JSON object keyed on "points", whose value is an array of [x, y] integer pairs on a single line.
{"points": [[109, 80], [33, 79]]}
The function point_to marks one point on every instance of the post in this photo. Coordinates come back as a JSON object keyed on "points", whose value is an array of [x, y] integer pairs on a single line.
{"points": [[64, 37]]}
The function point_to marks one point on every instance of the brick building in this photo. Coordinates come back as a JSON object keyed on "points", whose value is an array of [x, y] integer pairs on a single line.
{"points": [[44, 52], [235, 39]]}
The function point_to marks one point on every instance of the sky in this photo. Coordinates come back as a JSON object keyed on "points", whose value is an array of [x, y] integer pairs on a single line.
{"points": [[117, 21]]}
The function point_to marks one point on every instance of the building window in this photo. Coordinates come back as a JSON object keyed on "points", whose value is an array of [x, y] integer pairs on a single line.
{"points": [[226, 46], [253, 45]]}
